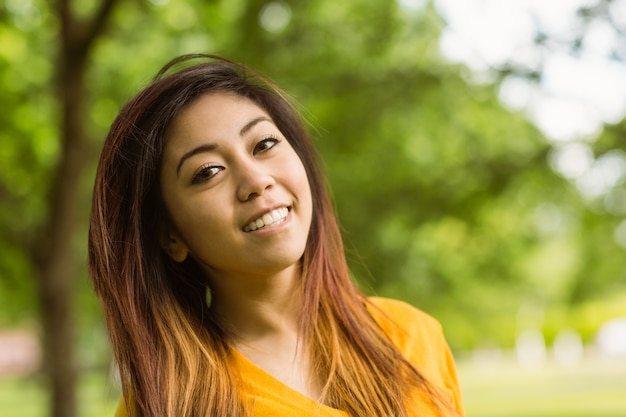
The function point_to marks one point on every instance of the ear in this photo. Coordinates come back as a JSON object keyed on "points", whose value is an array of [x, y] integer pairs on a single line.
{"points": [[177, 250], [174, 246]]}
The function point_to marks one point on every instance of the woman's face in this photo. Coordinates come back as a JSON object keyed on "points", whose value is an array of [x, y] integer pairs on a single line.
{"points": [[237, 193]]}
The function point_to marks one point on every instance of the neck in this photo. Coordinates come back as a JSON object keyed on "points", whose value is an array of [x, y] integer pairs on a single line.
{"points": [[258, 307], [263, 314]]}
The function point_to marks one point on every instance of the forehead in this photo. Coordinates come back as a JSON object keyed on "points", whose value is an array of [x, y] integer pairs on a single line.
{"points": [[211, 117], [215, 110]]}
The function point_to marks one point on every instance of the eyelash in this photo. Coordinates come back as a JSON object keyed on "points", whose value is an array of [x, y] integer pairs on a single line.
{"points": [[275, 141], [208, 171], [205, 173]]}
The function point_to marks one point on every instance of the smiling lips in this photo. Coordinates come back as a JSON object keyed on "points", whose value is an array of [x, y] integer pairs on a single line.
{"points": [[272, 218]]}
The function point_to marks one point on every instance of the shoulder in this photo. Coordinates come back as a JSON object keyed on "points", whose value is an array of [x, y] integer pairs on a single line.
{"points": [[415, 333], [420, 338], [403, 322], [398, 308]]}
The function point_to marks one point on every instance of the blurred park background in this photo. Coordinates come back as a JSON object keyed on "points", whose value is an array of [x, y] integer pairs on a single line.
{"points": [[476, 151]]}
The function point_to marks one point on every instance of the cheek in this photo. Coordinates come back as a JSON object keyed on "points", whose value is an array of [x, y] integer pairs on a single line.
{"points": [[199, 219], [297, 172], [306, 196], [194, 219]]}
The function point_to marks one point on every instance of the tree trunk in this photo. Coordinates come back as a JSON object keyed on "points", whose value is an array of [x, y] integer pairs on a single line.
{"points": [[55, 253], [58, 264]]}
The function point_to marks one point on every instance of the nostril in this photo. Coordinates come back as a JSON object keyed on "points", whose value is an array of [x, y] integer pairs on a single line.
{"points": [[254, 185]]}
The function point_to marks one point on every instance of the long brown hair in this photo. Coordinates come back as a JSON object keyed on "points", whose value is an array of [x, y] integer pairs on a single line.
{"points": [[173, 354]]}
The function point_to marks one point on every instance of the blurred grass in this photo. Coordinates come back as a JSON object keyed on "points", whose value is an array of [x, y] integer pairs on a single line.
{"points": [[500, 387], [26, 397], [492, 387]]}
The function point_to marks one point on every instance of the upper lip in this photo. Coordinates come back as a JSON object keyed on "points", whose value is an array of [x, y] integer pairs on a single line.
{"points": [[263, 212]]}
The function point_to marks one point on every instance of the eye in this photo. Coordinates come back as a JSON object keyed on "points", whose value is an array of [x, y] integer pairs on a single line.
{"points": [[205, 173], [266, 144]]}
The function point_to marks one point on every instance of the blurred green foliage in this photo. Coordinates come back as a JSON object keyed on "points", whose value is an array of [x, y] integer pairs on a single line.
{"points": [[447, 200]]}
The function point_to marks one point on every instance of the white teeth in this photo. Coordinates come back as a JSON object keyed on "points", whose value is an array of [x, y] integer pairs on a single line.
{"points": [[269, 219]]}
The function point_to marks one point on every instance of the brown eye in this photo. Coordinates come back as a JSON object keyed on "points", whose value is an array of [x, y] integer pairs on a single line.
{"points": [[205, 173], [266, 144]]}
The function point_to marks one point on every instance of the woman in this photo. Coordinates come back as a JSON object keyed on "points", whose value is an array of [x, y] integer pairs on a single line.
{"points": [[216, 254]]}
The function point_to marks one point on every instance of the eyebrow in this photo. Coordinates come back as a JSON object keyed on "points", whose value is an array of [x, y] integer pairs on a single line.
{"points": [[246, 128], [195, 151], [208, 147]]}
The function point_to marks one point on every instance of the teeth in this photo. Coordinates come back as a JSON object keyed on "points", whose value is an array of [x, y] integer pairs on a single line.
{"points": [[269, 219]]}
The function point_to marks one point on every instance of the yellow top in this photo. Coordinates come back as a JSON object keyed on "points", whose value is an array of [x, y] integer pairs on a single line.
{"points": [[416, 334]]}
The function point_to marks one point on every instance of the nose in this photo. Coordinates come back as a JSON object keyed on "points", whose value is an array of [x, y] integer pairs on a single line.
{"points": [[254, 180]]}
